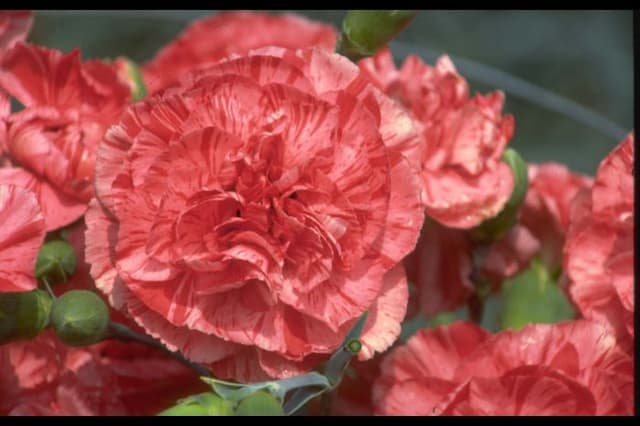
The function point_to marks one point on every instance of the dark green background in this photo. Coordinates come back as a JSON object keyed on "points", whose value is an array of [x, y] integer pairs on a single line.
{"points": [[584, 56]]}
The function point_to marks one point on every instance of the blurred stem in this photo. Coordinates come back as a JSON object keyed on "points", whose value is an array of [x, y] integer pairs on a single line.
{"points": [[122, 332], [476, 308], [478, 297], [326, 402], [47, 287]]}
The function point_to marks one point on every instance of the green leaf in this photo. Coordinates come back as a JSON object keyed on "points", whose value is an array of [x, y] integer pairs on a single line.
{"points": [[492, 313], [302, 395], [278, 388], [80, 318], [410, 327], [260, 403], [533, 297], [231, 391], [305, 386], [445, 318], [334, 368]]}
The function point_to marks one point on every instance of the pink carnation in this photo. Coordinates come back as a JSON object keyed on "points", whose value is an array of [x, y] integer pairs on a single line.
{"points": [[251, 216], [571, 368], [68, 107], [599, 251], [210, 39], [463, 138], [45, 377]]}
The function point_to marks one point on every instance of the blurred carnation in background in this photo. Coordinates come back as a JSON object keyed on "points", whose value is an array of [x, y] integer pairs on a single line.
{"points": [[583, 56]]}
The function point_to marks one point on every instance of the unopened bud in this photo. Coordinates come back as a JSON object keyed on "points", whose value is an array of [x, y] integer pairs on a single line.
{"points": [[260, 403], [56, 262], [204, 404], [364, 32], [80, 318], [23, 315], [129, 72], [354, 346]]}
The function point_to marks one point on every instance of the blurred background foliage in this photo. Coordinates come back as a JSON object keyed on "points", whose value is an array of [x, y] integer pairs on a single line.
{"points": [[583, 56]]}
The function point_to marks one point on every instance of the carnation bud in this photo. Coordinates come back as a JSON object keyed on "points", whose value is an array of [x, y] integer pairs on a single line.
{"points": [[204, 404], [366, 31], [129, 72], [23, 315], [354, 346], [80, 317], [260, 403], [56, 262], [497, 227]]}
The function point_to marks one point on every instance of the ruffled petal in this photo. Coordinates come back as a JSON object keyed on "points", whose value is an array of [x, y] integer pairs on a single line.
{"points": [[385, 316], [15, 25], [521, 392], [21, 235]]}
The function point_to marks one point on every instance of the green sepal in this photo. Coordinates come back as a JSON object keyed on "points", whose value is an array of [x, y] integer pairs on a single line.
{"points": [[80, 318], [134, 76], [497, 227], [23, 315], [260, 403], [204, 404], [534, 297], [56, 262], [364, 32]]}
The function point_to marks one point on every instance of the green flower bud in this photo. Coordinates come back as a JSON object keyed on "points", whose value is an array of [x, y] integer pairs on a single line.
{"points": [[354, 346], [260, 403], [204, 404], [366, 31], [495, 228], [80, 318], [129, 72], [56, 262], [23, 315]]}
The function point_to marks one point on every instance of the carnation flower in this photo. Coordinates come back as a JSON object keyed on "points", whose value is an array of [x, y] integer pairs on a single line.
{"points": [[441, 265], [249, 217], [570, 368], [51, 143], [210, 39], [463, 138], [44, 377], [599, 250]]}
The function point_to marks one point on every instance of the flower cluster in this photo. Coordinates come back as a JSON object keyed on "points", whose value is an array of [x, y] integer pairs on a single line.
{"points": [[243, 200]]}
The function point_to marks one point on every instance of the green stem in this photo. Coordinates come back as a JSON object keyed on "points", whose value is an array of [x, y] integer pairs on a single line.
{"points": [[47, 287], [326, 402], [122, 332]]}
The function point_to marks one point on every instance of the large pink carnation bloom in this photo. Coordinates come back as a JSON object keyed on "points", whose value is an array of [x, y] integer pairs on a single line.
{"points": [[250, 216]]}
